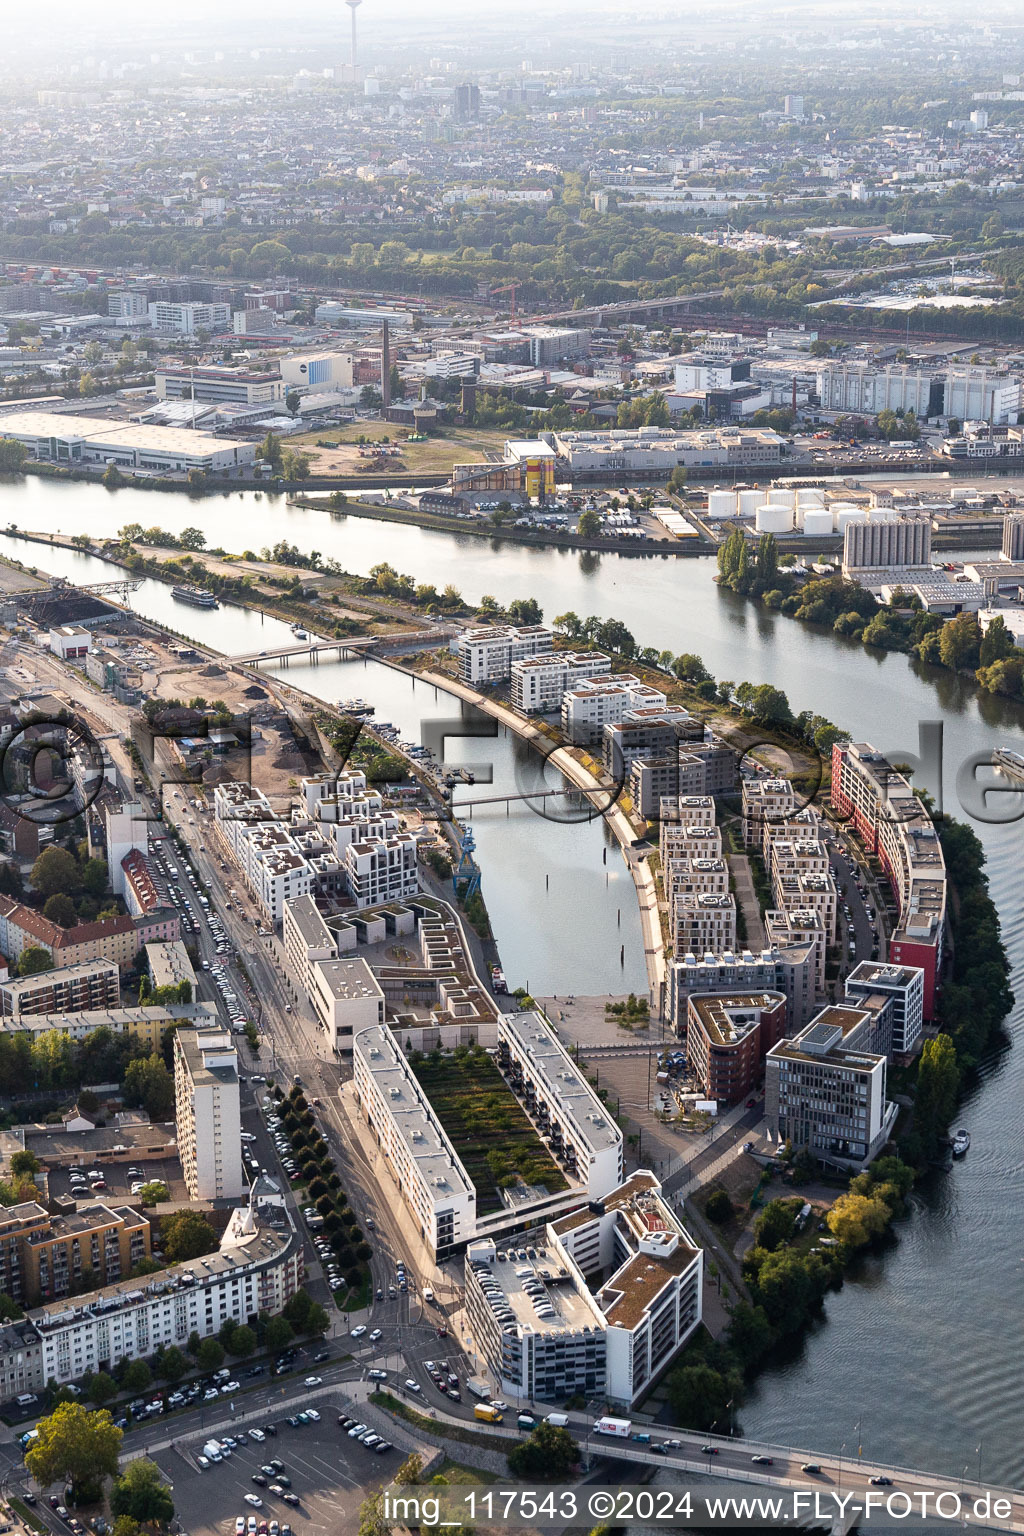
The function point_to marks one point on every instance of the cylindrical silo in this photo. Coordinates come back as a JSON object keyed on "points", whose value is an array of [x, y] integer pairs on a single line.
{"points": [[842, 517], [748, 502], [772, 518], [782, 498], [817, 522], [721, 504]]}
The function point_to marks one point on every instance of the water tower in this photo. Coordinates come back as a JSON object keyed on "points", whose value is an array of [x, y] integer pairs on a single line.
{"points": [[353, 6]]}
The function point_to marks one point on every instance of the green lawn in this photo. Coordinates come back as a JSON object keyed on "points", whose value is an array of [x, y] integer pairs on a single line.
{"points": [[488, 1127], [456, 445]]}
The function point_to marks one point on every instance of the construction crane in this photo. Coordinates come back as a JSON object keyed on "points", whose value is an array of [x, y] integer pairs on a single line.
{"points": [[510, 288]]}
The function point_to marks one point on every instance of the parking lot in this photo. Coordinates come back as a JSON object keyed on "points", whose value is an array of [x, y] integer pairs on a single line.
{"points": [[118, 1178], [330, 1474]]}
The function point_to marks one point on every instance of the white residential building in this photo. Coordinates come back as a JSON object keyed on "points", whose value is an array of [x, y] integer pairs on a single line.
{"points": [[379, 870], [207, 1113], [184, 319], [486, 654], [307, 939], [590, 704], [539, 682]]}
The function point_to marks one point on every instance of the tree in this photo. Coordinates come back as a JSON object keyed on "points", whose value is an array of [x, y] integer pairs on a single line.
{"points": [[141, 1493], [113, 479], [137, 1376], [277, 1333], [173, 1365], [55, 871], [689, 668], [24, 1165], [12, 456], [59, 909], [154, 1192], [997, 643], [242, 1342], [699, 1396], [76, 1447], [776, 1224], [525, 611], [292, 402], [124, 1525], [186, 1235], [149, 1085], [34, 959], [856, 1219], [192, 538], [718, 1207], [295, 465], [960, 642], [549, 1454], [102, 1388], [211, 1355], [588, 524], [938, 1080], [678, 478], [569, 624]]}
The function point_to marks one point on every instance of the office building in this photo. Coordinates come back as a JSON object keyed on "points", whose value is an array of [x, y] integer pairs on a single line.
{"points": [[346, 998], [826, 1096], [598, 1303], [904, 985], [727, 1038], [207, 1113], [185, 319], [892, 822], [657, 451], [220, 383], [486, 654], [880, 543], [128, 307], [70, 989]]}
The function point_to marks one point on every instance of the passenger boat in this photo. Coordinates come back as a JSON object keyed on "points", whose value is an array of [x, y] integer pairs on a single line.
{"points": [[196, 597], [960, 1142], [1009, 762], [355, 707]]}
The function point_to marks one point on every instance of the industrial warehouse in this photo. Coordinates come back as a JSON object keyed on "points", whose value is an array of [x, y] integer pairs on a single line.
{"points": [[84, 440]]}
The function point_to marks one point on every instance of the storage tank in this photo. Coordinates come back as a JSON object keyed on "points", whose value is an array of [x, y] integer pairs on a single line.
{"points": [[811, 496], [781, 498], [771, 518], [817, 523], [721, 504], [748, 502], [842, 517]]}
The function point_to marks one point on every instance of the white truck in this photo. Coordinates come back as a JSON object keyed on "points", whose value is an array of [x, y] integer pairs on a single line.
{"points": [[618, 1429], [556, 1420], [479, 1387]]}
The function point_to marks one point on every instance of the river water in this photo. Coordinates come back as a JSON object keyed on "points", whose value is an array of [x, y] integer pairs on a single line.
{"points": [[922, 1346]]}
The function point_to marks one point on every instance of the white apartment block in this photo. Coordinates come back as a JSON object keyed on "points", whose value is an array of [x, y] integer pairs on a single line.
{"points": [[257, 1269], [597, 1303], [486, 654], [422, 1160], [184, 319], [825, 1097], [346, 998], [207, 1113], [279, 875], [307, 939], [539, 682], [558, 1096], [589, 705], [379, 870]]}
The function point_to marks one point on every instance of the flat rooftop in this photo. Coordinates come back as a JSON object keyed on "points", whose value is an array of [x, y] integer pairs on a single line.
{"points": [[562, 1080], [729, 1019]]}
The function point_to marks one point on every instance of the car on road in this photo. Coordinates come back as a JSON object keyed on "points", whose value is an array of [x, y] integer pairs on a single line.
{"points": [[376, 1334], [413, 1386], [709, 1450], [810, 1467], [313, 1381], [762, 1461], [377, 1375], [881, 1482], [357, 1333]]}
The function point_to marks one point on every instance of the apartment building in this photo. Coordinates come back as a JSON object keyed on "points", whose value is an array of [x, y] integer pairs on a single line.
{"points": [[800, 927], [703, 923], [765, 803], [686, 876], [21, 1360], [826, 1096], [727, 1038], [561, 1102], [420, 1157], [596, 1304], [257, 1268], [904, 986], [71, 989], [277, 875], [114, 939], [486, 654], [379, 870], [589, 704], [148, 1025], [643, 732], [538, 683], [170, 966], [307, 939], [658, 781], [346, 998], [95, 1245], [207, 1113], [17, 1222], [892, 822]]}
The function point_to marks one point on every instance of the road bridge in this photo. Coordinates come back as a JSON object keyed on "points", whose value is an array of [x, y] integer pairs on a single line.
{"points": [[313, 649]]}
